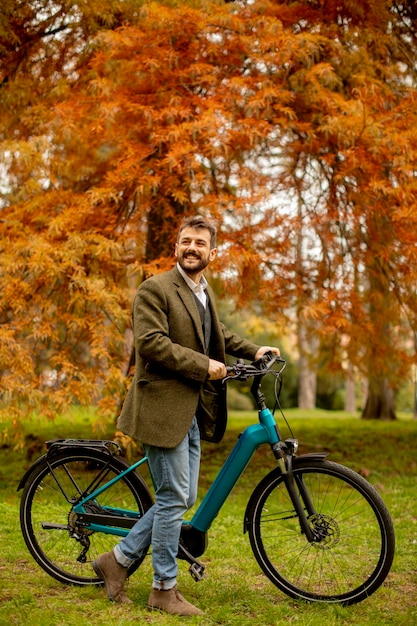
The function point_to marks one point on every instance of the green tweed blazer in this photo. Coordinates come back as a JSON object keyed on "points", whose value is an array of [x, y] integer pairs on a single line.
{"points": [[171, 364]]}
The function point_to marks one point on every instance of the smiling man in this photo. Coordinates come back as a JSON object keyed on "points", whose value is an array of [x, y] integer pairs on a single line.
{"points": [[194, 250], [175, 399]]}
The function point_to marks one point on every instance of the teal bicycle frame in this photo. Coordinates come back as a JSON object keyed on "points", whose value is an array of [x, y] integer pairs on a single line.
{"points": [[248, 442]]}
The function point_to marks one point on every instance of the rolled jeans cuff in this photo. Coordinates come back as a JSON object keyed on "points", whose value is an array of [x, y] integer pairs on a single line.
{"points": [[122, 560], [164, 585]]}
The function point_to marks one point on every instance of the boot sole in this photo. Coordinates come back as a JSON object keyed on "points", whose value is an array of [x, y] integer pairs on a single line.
{"points": [[161, 610]]}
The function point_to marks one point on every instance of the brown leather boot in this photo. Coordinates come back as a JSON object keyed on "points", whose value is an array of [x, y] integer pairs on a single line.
{"points": [[171, 601], [114, 576]]}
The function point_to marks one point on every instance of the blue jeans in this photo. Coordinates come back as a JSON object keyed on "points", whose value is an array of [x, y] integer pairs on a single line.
{"points": [[175, 474]]}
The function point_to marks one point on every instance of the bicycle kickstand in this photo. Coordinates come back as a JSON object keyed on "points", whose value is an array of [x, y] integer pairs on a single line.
{"points": [[196, 568]]}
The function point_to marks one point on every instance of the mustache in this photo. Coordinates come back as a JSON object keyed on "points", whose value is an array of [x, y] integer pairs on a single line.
{"points": [[194, 255]]}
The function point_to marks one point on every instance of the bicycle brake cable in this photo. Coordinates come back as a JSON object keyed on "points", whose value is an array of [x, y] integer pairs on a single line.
{"points": [[277, 394]]}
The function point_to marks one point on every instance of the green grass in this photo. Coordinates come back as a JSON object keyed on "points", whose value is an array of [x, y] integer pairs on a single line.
{"points": [[234, 591]]}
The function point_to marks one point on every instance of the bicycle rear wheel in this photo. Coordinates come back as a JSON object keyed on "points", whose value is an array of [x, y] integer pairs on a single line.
{"points": [[59, 543], [355, 547]]}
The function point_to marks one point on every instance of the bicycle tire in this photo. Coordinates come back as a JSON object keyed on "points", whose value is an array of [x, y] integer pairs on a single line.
{"points": [[56, 549], [356, 552]]}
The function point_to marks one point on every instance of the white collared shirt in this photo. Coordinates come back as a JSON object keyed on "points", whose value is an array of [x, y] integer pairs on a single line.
{"points": [[199, 289]]}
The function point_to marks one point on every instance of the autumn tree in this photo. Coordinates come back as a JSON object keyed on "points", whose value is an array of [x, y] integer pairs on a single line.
{"points": [[351, 158], [64, 304], [129, 129], [116, 120]]}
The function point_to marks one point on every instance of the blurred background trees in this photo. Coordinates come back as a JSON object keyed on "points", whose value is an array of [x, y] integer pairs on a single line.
{"points": [[293, 125]]}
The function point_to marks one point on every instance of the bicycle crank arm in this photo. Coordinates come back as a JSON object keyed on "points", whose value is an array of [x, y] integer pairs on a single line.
{"points": [[196, 568]]}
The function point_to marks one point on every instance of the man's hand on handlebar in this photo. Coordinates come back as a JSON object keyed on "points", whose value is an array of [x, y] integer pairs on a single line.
{"points": [[264, 349], [216, 370], [263, 364]]}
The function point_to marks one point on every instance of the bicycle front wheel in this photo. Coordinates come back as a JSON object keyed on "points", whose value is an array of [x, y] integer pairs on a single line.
{"points": [[59, 543], [354, 545]]}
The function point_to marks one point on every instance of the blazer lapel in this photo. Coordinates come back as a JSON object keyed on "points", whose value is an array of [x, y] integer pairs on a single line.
{"points": [[216, 329], [187, 297]]}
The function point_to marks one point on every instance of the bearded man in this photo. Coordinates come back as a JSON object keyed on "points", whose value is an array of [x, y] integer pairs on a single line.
{"points": [[176, 398]]}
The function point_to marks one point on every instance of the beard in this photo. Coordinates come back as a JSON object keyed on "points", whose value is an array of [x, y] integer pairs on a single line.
{"points": [[192, 263]]}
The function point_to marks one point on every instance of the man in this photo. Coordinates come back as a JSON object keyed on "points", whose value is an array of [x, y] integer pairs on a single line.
{"points": [[176, 394]]}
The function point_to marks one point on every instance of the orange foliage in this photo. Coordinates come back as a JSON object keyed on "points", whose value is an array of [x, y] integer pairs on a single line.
{"points": [[291, 124]]}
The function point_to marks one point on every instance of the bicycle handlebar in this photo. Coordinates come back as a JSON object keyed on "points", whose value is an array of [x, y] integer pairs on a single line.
{"points": [[242, 371]]}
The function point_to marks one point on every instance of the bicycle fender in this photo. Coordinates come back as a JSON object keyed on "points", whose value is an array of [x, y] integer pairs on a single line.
{"points": [[311, 456], [297, 460], [29, 471]]}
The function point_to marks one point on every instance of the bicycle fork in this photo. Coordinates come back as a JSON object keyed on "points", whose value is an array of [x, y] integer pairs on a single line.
{"points": [[297, 490]]}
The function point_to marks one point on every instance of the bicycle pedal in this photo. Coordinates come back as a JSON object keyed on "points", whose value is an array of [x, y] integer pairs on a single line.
{"points": [[197, 571]]}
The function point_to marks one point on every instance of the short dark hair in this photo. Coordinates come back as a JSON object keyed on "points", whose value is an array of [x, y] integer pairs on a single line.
{"points": [[197, 221]]}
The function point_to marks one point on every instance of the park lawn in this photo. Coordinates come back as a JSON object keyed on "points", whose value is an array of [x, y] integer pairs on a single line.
{"points": [[234, 591]]}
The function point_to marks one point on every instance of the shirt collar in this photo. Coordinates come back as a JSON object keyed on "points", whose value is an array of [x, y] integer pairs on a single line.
{"points": [[192, 285]]}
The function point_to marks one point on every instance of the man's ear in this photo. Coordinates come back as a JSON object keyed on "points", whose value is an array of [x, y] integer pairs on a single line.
{"points": [[213, 254]]}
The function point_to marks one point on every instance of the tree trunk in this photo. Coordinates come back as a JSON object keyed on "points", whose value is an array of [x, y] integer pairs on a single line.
{"points": [[307, 375], [307, 384], [415, 394], [380, 401], [162, 227], [350, 395]]}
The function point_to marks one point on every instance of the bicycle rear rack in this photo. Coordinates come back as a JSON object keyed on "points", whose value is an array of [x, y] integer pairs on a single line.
{"points": [[111, 447]]}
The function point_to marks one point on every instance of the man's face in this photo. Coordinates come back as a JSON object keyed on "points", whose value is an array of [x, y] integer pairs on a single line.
{"points": [[193, 251]]}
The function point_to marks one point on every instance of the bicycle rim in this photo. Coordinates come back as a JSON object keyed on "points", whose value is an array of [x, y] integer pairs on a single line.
{"points": [[49, 525], [356, 549]]}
